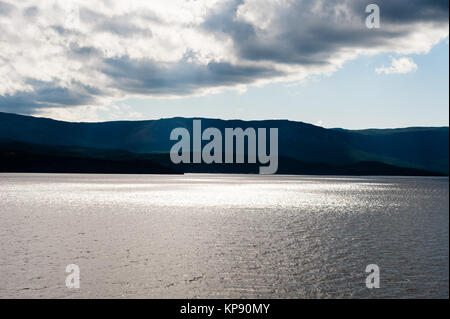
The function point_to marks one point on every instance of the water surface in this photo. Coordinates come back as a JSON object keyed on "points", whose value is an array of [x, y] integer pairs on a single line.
{"points": [[223, 236]]}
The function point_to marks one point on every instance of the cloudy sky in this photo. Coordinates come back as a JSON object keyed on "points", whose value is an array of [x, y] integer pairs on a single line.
{"points": [[312, 61]]}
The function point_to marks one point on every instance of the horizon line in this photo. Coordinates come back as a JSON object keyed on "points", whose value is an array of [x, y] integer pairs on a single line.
{"points": [[221, 119]]}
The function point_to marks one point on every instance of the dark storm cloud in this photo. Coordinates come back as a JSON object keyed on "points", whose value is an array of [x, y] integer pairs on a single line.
{"points": [[299, 36], [407, 11], [47, 94], [181, 78]]}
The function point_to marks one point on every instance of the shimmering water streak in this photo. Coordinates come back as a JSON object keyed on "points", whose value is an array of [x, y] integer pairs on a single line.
{"points": [[223, 236]]}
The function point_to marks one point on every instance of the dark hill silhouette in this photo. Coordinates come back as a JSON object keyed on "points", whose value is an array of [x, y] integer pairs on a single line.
{"points": [[423, 149], [38, 158], [13, 158]]}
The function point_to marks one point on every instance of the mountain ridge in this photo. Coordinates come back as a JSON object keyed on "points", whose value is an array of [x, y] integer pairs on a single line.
{"points": [[226, 120], [423, 148]]}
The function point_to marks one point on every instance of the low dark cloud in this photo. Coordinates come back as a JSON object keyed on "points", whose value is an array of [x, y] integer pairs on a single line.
{"points": [[181, 78], [46, 95]]}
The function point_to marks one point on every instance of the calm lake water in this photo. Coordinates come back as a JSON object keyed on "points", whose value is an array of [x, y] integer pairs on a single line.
{"points": [[223, 236]]}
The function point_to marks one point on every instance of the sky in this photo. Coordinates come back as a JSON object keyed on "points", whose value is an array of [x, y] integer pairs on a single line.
{"points": [[302, 60]]}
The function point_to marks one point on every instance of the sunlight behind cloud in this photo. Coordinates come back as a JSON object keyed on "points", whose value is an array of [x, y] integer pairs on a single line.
{"points": [[56, 55]]}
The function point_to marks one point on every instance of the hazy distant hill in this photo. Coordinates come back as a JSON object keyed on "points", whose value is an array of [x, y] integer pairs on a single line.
{"points": [[419, 148]]}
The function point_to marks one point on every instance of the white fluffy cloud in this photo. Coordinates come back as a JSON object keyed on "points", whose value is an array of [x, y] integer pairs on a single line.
{"points": [[399, 66], [80, 54]]}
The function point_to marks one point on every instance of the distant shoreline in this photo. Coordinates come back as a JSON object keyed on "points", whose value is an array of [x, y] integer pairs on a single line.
{"points": [[13, 161], [232, 174]]}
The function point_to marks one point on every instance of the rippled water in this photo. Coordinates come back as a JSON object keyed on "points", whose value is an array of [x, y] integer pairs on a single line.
{"points": [[216, 236]]}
